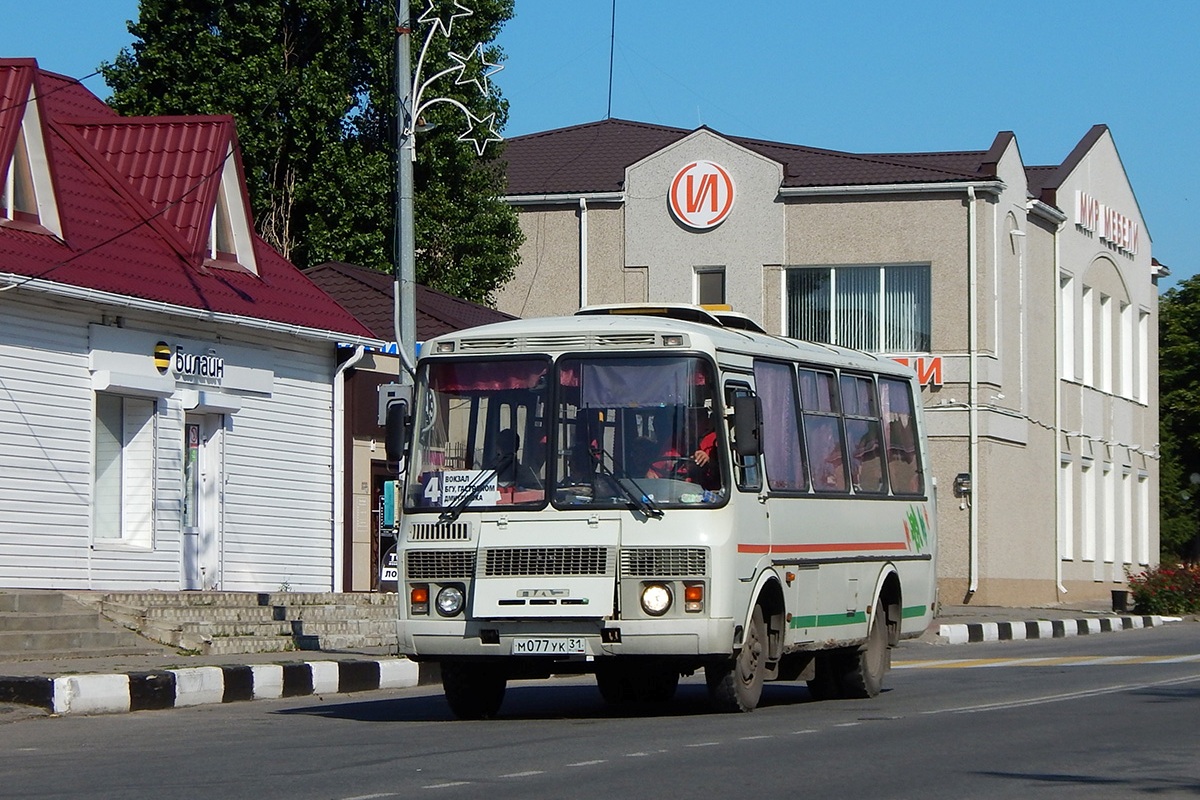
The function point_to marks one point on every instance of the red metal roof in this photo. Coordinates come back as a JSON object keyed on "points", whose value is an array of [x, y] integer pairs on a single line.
{"points": [[135, 197]]}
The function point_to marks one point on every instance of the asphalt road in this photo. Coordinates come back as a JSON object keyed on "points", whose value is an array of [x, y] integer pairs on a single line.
{"points": [[1105, 716]]}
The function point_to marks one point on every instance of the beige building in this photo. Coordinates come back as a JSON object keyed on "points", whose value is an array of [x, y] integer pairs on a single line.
{"points": [[1024, 296]]}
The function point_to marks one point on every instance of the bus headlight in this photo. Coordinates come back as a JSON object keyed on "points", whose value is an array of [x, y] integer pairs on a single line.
{"points": [[450, 601], [656, 599]]}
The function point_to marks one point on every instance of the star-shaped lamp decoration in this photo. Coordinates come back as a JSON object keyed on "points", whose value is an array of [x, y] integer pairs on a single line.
{"points": [[475, 68], [442, 15], [481, 130]]}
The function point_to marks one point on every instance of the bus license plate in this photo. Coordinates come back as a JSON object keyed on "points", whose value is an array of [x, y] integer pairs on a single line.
{"points": [[570, 646]]}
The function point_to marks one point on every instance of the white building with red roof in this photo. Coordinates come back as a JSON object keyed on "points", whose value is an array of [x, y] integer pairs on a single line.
{"points": [[167, 380]]}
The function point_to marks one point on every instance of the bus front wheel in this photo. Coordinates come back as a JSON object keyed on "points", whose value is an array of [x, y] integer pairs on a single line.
{"points": [[737, 685], [865, 667], [473, 690]]}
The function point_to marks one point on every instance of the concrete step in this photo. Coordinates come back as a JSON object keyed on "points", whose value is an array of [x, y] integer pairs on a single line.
{"points": [[250, 622], [31, 602], [67, 657], [238, 645], [258, 614], [77, 640], [11, 622]]}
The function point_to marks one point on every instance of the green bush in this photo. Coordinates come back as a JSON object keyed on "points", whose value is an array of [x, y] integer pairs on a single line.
{"points": [[1166, 589]]}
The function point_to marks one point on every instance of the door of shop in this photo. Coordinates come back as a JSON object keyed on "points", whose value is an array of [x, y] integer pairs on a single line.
{"points": [[202, 500]]}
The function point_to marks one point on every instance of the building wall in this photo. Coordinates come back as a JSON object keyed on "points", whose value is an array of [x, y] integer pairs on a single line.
{"points": [[1109, 448], [274, 516], [751, 237], [1017, 538]]}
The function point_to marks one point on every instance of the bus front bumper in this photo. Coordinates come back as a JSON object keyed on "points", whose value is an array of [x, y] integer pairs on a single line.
{"points": [[436, 638]]}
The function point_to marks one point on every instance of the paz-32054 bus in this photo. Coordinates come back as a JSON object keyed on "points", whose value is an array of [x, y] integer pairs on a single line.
{"points": [[644, 492]]}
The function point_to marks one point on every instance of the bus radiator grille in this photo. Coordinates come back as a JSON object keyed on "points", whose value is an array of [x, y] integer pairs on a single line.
{"points": [[426, 565], [664, 562], [439, 532], [530, 561]]}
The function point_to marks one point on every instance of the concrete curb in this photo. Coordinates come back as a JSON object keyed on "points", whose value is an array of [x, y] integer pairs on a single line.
{"points": [[192, 686], [971, 632]]}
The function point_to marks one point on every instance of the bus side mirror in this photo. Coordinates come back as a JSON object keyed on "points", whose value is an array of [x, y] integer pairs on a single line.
{"points": [[747, 421], [395, 430]]}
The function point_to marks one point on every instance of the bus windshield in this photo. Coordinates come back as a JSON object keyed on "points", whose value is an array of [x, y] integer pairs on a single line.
{"points": [[634, 432], [644, 425]]}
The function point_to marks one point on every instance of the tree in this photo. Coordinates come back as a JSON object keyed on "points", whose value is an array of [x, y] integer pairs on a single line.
{"points": [[1179, 417], [310, 83]]}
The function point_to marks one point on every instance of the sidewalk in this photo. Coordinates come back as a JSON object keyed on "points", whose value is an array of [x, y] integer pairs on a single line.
{"points": [[135, 683]]}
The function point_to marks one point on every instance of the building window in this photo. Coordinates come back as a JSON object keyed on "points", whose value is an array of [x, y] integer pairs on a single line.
{"points": [[1066, 335], [1088, 339], [1088, 501], [878, 309], [123, 488], [1143, 530], [710, 286], [1125, 364], [1066, 523], [19, 198], [230, 239], [1106, 344], [1142, 385]]}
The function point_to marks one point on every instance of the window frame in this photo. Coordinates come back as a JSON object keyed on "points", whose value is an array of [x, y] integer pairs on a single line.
{"points": [[134, 493], [831, 308]]}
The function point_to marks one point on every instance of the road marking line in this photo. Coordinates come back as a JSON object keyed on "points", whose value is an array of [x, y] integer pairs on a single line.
{"points": [[1058, 698], [1043, 661], [372, 796], [446, 785], [703, 744], [588, 763], [751, 738], [526, 774]]}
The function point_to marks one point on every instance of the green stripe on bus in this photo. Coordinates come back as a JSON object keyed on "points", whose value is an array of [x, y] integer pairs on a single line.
{"points": [[859, 617]]}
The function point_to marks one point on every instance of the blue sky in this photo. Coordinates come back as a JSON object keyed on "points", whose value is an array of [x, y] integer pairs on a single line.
{"points": [[866, 76]]}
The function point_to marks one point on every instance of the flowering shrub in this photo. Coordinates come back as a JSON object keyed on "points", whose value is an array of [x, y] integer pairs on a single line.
{"points": [[1166, 589]]}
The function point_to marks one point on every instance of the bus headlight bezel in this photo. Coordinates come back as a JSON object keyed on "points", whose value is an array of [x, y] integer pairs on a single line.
{"points": [[656, 599], [450, 600]]}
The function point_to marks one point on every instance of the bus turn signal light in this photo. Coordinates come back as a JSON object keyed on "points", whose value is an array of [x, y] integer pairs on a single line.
{"points": [[693, 597], [418, 599]]}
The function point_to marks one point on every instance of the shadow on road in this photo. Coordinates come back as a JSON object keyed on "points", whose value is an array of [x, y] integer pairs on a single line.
{"points": [[545, 700]]}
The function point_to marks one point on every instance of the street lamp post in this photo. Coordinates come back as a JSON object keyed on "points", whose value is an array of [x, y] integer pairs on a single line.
{"points": [[410, 104]]}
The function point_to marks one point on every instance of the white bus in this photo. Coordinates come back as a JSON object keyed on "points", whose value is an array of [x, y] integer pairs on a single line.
{"points": [[641, 492]]}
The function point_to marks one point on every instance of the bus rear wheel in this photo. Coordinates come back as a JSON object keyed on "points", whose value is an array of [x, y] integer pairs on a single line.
{"points": [[473, 690], [737, 685]]}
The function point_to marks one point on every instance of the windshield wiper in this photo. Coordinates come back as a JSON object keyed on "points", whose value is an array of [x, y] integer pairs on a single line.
{"points": [[472, 489], [639, 500]]}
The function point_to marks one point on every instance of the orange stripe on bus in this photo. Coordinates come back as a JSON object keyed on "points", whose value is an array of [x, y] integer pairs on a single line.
{"points": [[829, 547]]}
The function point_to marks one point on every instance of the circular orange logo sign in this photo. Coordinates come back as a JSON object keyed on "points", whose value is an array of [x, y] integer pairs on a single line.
{"points": [[701, 195]]}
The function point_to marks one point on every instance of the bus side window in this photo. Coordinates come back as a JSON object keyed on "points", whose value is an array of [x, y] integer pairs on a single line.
{"points": [[863, 439], [781, 442], [900, 437], [746, 467], [823, 438]]}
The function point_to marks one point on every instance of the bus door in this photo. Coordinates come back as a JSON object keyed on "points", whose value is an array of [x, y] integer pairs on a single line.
{"points": [[752, 526]]}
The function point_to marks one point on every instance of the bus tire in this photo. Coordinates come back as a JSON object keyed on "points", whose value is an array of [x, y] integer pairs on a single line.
{"points": [[864, 669], [473, 690], [737, 685]]}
